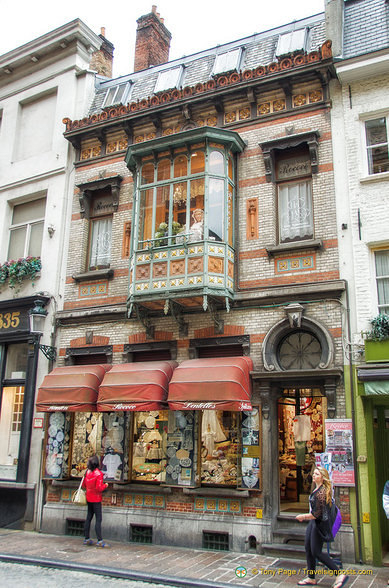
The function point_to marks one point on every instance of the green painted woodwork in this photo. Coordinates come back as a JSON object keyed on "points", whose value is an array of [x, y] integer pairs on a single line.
{"points": [[377, 350]]}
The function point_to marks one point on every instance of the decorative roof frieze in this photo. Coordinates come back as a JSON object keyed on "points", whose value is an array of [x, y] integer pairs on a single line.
{"points": [[291, 62]]}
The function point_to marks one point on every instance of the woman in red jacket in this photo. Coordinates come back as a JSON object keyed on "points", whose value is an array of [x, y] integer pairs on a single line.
{"points": [[94, 484]]}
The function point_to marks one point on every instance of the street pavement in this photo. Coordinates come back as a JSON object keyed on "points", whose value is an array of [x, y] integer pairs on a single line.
{"points": [[170, 566]]}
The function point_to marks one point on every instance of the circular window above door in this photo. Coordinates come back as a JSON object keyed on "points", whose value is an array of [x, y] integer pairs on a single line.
{"points": [[299, 350]]}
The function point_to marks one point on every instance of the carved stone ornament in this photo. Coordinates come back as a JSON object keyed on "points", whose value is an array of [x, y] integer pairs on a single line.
{"points": [[88, 190], [310, 138]]}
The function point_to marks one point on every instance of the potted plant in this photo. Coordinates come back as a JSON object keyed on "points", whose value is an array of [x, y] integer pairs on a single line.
{"points": [[377, 339]]}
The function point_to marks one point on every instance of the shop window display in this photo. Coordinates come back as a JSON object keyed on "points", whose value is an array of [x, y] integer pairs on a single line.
{"points": [[220, 446], [87, 438], [181, 465], [250, 449], [149, 446], [115, 443], [57, 445]]}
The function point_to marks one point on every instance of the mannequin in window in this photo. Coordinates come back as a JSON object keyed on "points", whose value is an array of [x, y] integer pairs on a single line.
{"points": [[197, 227]]}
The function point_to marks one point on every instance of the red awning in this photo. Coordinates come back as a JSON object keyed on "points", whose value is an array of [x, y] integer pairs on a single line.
{"points": [[72, 388], [136, 386], [219, 383]]}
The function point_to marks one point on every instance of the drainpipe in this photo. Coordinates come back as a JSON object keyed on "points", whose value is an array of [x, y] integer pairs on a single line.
{"points": [[356, 465]]}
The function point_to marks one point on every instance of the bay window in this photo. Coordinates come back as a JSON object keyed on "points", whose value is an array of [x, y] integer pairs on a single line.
{"points": [[185, 191]]}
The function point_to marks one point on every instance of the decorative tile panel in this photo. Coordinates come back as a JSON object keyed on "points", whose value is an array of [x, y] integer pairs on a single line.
{"points": [[292, 264], [217, 505], [195, 265], [93, 289], [159, 270], [177, 267], [142, 272], [66, 495], [216, 265]]}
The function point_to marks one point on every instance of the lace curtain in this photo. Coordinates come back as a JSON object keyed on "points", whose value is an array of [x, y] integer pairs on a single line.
{"points": [[101, 242], [295, 211]]}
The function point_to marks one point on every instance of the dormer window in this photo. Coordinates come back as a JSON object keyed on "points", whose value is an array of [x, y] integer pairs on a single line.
{"points": [[168, 79], [229, 61], [117, 94], [292, 41]]}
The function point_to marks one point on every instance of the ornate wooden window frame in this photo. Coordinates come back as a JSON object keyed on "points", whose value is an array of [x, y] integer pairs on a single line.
{"points": [[268, 148]]}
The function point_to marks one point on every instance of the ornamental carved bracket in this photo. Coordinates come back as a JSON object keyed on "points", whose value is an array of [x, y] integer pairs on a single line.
{"points": [[144, 318], [89, 189], [330, 392], [176, 312], [287, 142], [218, 322]]}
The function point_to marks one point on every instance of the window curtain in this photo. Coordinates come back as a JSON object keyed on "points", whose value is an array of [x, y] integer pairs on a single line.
{"points": [[101, 242], [295, 211]]}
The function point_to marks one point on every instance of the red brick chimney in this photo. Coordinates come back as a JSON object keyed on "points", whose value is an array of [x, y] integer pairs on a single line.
{"points": [[152, 41], [102, 60]]}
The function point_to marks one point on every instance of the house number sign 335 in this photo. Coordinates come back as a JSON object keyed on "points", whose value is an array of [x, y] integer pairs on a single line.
{"points": [[14, 320]]}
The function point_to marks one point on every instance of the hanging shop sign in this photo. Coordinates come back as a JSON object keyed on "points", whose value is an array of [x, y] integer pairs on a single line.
{"points": [[339, 444]]}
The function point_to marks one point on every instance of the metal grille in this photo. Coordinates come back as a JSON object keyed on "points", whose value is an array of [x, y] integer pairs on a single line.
{"points": [[75, 527], [141, 534], [215, 540]]}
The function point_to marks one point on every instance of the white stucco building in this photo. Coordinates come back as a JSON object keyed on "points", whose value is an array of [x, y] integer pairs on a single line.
{"points": [[40, 83]]}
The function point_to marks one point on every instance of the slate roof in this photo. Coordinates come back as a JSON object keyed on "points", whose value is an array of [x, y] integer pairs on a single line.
{"points": [[259, 50], [365, 27]]}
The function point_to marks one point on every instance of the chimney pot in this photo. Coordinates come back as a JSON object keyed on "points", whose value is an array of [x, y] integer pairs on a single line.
{"points": [[152, 43], [102, 31]]}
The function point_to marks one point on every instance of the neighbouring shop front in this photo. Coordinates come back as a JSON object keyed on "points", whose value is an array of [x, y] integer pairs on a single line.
{"points": [[19, 355], [167, 451], [372, 386]]}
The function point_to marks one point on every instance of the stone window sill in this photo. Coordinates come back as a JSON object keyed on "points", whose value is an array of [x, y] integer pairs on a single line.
{"points": [[294, 246], [384, 176], [102, 274]]}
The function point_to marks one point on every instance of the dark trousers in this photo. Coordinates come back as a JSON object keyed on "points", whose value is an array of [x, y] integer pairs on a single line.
{"points": [[313, 550], [94, 508]]}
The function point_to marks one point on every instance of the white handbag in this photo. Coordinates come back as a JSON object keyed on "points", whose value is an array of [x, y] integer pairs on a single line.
{"points": [[79, 496]]}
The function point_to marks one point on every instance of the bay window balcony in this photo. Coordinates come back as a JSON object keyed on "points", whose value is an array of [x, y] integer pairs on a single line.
{"points": [[182, 245]]}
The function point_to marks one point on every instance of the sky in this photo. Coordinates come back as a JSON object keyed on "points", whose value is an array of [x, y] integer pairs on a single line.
{"points": [[195, 26]]}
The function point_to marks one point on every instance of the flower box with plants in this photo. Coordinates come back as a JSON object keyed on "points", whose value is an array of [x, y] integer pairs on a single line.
{"points": [[377, 339], [14, 272]]}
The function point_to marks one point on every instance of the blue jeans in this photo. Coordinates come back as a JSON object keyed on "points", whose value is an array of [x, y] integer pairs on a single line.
{"points": [[94, 508]]}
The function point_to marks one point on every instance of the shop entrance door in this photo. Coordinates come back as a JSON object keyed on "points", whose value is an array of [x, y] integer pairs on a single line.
{"points": [[301, 414]]}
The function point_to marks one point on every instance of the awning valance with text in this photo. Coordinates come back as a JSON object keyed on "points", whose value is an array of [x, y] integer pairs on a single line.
{"points": [[139, 386], [220, 383], [71, 388]]}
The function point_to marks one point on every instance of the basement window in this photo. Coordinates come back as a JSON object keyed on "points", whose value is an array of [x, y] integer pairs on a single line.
{"points": [[168, 79], [293, 41], [116, 94], [215, 540]]}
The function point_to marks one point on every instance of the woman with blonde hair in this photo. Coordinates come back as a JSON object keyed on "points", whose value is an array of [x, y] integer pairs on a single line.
{"points": [[319, 529]]}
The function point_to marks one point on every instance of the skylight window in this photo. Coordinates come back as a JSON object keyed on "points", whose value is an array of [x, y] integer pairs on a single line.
{"points": [[168, 79], [116, 94], [227, 61], [293, 41]]}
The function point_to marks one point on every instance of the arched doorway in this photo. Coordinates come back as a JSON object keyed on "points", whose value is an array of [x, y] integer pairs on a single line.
{"points": [[301, 379], [301, 413]]}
